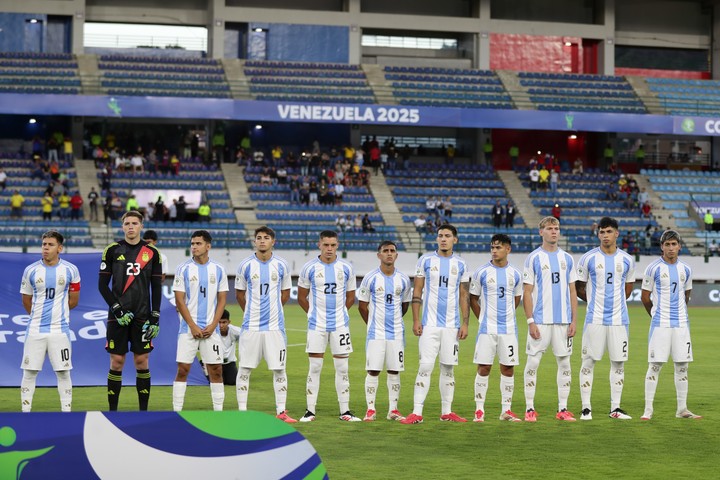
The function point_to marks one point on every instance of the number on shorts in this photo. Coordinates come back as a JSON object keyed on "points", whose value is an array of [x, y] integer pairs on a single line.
{"points": [[389, 299], [688, 344], [609, 280], [569, 342], [203, 291], [344, 339], [555, 277], [264, 288], [456, 349], [330, 288], [625, 346], [400, 356], [443, 281], [282, 355], [216, 349], [674, 286], [65, 354], [512, 350], [49, 293]]}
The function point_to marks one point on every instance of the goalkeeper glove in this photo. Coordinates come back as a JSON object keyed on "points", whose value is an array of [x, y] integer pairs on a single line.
{"points": [[123, 317], [151, 327]]}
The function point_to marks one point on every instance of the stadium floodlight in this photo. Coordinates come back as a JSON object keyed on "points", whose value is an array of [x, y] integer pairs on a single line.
{"points": [[258, 127], [32, 121]]}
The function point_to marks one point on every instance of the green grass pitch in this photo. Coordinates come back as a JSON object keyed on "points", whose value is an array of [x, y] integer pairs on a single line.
{"points": [[665, 447]]}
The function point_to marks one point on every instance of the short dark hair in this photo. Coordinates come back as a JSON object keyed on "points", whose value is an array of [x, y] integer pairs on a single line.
{"points": [[501, 238], [328, 234], [202, 233], [669, 235], [225, 315], [447, 226], [132, 213], [150, 235], [606, 222], [385, 243], [54, 234], [265, 229]]}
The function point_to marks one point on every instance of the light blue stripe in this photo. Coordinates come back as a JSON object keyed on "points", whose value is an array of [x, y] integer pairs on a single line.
{"points": [[609, 300], [330, 298], [264, 298], [592, 279], [443, 293], [389, 309], [556, 289], [674, 296], [502, 304]]}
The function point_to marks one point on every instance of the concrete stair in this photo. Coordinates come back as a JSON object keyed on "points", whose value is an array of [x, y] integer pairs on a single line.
{"points": [[517, 92], [380, 86], [235, 76], [391, 213], [520, 197], [239, 195], [86, 179], [89, 74]]}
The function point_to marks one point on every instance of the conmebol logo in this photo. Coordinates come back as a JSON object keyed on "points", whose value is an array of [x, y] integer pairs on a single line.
{"points": [[688, 125]]}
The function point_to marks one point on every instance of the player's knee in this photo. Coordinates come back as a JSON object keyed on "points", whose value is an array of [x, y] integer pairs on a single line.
{"points": [[63, 374], [655, 367], [425, 369], [588, 364], [505, 371], [681, 368], [183, 371], [533, 362], [215, 373], [316, 365], [618, 367], [374, 373], [341, 365], [563, 363], [447, 370], [30, 374], [390, 372], [484, 370]]}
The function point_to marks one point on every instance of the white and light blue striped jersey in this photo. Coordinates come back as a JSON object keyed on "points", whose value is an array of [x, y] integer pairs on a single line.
{"points": [[606, 276], [441, 294], [497, 288], [385, 296], [667, 284], [50, 288], [229, 343], [201, 284], [328, 285], [551, 273], [263, 283]]}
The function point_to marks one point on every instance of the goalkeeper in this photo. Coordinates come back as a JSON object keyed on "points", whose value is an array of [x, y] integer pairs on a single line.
{"points": [[135, 269]]}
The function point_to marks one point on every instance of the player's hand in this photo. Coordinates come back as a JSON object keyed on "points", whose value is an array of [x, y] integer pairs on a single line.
{"points": [[207, 331], [534, 331], [571, 329], [196, 331], [151, 328], [417, 328], [463, 332], [123, 317]]}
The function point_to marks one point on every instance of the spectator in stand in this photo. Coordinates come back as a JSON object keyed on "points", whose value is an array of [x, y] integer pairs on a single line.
{"points": [[594, 229], [294, 190], [149, 212], [132, 204], [172, 210], [265, 177], [556, 211], [609, 155], [578, 166], [554, 177], [450, 155], [107, 208], [204, 212], [488, 151], [420, 224], [54, 169], [375, 158], [165, 162], [430, 226], [405, 155], [709, 221], [647, 210], [514, 153], [47, 203], [497, 214], [305, 191], [76, 203], [544, 175], [714, 249], [282, 175], [643, 197], [93, 198], [430, 205], [3, 179], [276, 154], [611, 192], [52, 150], [137, 162], [105, 177], [510, 215], [440, 209], [68, 149], [448, 208], [38, 172], [339, 191], [159, 210], [534, 178], [181, 207], [174, 165], [64, 203], [340, 223], [358, 223], [367, 226], [313, 193]]}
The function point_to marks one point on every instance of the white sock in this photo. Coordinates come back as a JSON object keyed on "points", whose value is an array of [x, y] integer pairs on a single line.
{"points": [[393, 386], [681, 385], [371, 386], [27, 389], [313, 382], [563, 381], [422, 385], [242, 387], [280, 384], [217, 394], [342, 382], [617, 380], [481, 386], [651, 382], [530, 378], [586, 381], [507, 388], [64, 387], [447, 388], [178, 395]]}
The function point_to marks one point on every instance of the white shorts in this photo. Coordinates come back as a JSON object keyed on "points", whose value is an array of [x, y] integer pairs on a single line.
{"points": [[505, 346], [596, 338], [664, 340], [555, 335], [440, 340], [339, 341], [57, 346], [211, 349], [270, 345], [385, 352]]}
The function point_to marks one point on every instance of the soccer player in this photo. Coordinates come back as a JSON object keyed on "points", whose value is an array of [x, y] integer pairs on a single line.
{"points": [[665, 294], [326, 290], [384, 298], [495, 290], [200, 288], [606, 275], [50, 288], [550, 304], [230, 335], [445, 279], [135, 269], [151, 237], [262, 287]]}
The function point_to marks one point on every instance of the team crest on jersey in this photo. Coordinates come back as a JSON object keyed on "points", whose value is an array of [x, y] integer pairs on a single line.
{"points": [[363, 291], [61, 280], [340, 277], [618, 268], [453, 270], [103, 266], [178, 281], [580, 270], [682, 278], [563, 265], [212, 279], [23, 283], [398, 291], [145, 256], [274, 276]]}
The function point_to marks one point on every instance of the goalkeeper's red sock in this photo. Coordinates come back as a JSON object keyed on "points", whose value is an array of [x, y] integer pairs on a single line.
{"points": [[142, 383], [114, 384]]}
